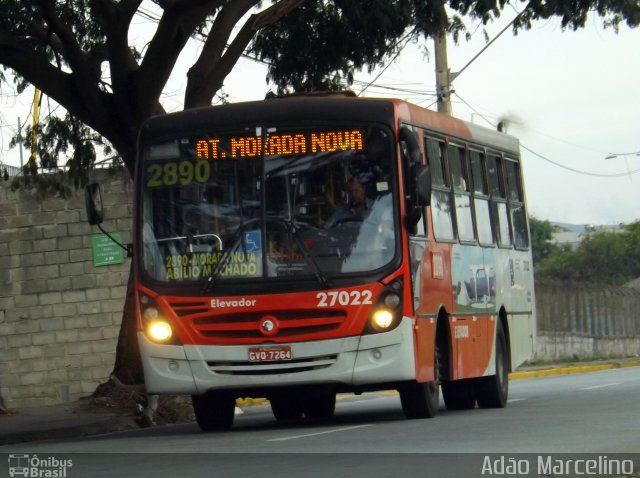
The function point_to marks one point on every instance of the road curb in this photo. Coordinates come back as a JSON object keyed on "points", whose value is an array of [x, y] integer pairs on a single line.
{"points": [[107, 425], [572, 369]]}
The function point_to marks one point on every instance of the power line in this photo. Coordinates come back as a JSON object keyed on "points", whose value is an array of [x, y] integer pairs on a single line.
{"points": [[587, 173], [555, 163], [456, 74], [405, 41]]}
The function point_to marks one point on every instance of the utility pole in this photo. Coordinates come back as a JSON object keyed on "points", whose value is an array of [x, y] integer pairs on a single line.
{"points": [[444, 77], [443, 83], [34, 132]]}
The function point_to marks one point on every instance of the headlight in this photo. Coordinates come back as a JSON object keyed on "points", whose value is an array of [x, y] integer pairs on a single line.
{"points": [[159, 331], [382, 319], [157, 327], [387, 311]]}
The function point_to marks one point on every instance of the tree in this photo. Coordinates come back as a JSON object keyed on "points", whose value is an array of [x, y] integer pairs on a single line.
{"points": [[322, 43], [605, 257], [541, 236], [77, 53]]}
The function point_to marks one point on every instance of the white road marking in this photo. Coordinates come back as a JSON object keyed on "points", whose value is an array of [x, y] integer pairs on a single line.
{"points": [[336, 430], [595, 387], [511, 400]]}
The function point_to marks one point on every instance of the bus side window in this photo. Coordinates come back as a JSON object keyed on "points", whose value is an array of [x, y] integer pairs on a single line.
{"points": [[481, 198], [516, 204], [441, 194], [500, 216], [461, 193]]}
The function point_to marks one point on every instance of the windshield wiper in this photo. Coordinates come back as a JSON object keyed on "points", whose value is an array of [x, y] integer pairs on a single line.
{"points": [[238, 237]]}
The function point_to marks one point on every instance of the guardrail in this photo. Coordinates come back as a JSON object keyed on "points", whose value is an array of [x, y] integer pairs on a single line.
{"points": [[11, 170]]}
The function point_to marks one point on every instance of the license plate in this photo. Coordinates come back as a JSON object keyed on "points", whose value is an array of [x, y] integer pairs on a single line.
{"points": [[270, 354]]}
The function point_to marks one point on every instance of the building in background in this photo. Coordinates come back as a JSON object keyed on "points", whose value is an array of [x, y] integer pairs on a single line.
{"points": [[573, 234]]}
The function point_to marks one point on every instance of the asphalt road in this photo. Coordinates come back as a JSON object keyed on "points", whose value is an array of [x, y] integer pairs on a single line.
{"points": [[596, 413]]}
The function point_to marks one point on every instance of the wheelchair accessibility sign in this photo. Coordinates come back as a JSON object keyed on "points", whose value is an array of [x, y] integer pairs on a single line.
{"points": [[252, 241]]}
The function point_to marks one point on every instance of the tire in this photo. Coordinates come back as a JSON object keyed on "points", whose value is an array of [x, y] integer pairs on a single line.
{"points": [[458, 395], [214, 411], [285, 407], [493, 391], [419, 400], [319, 406]]}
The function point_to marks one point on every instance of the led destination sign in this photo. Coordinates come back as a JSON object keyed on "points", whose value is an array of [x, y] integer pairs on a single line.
{"points": [[279, 144], [184, 171]]}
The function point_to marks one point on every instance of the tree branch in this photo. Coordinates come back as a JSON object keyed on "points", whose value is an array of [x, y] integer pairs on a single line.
{"points": [[61, 86], [126, 9], [214, 46], [72, 51], [202, 94], [115, 21], [275, 13], [36, 69], [179, 21]]}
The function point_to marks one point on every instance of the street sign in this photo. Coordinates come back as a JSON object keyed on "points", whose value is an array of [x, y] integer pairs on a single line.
{"points": [[105, 251]]}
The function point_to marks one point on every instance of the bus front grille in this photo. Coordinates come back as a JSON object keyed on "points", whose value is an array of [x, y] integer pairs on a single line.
{"points": [[291, 324], [244, 326], [271, 368]]}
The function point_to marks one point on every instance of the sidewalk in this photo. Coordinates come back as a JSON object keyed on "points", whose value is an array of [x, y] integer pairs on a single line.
{"points": [[566, 368], [77, 420], [60, 421]]}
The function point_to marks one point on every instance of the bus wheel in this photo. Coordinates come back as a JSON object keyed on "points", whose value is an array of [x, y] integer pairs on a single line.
{"points": [[419, 400], [458, 395], [214, 410], [285, 407], [319, 405], [492, 391]]}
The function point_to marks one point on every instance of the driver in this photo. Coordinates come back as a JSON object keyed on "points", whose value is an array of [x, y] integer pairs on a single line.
{"points": [[357, 207]]}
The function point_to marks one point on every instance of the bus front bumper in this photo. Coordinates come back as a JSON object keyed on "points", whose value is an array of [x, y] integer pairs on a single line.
{"points": [[350, 362]]}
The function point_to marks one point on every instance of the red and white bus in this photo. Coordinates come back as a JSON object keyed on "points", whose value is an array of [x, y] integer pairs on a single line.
{"points": [[257, 275]]}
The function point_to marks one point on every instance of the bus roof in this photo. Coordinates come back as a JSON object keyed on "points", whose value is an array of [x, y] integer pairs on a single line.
{"points": [[458, 128]]}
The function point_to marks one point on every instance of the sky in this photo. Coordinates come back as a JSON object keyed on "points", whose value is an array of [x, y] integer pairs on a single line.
{"points": [[571, 97]]}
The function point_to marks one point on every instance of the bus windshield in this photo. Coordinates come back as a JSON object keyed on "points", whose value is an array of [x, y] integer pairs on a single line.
{"points": [[268, 202]]}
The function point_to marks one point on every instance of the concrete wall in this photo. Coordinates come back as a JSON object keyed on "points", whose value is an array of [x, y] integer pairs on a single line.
{"points": [[582, 321], [59, 314]]}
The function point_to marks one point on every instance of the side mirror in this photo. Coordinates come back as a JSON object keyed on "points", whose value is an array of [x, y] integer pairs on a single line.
{"points": [[420, 194], [419, 177], [93, 203], [413, 148]]}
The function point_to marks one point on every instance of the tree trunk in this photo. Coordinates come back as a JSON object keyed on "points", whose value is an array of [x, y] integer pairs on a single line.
{"points": [[127, 369], [128, 365]]}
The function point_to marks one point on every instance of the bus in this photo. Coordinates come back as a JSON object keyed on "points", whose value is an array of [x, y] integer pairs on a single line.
{"points": [[306, 246]]}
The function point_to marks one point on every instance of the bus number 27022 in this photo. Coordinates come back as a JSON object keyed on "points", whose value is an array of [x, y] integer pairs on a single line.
{"points": [[344, 298]]}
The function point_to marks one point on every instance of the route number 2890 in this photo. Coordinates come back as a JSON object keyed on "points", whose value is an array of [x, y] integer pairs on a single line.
{"points": [[344, 298]]}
